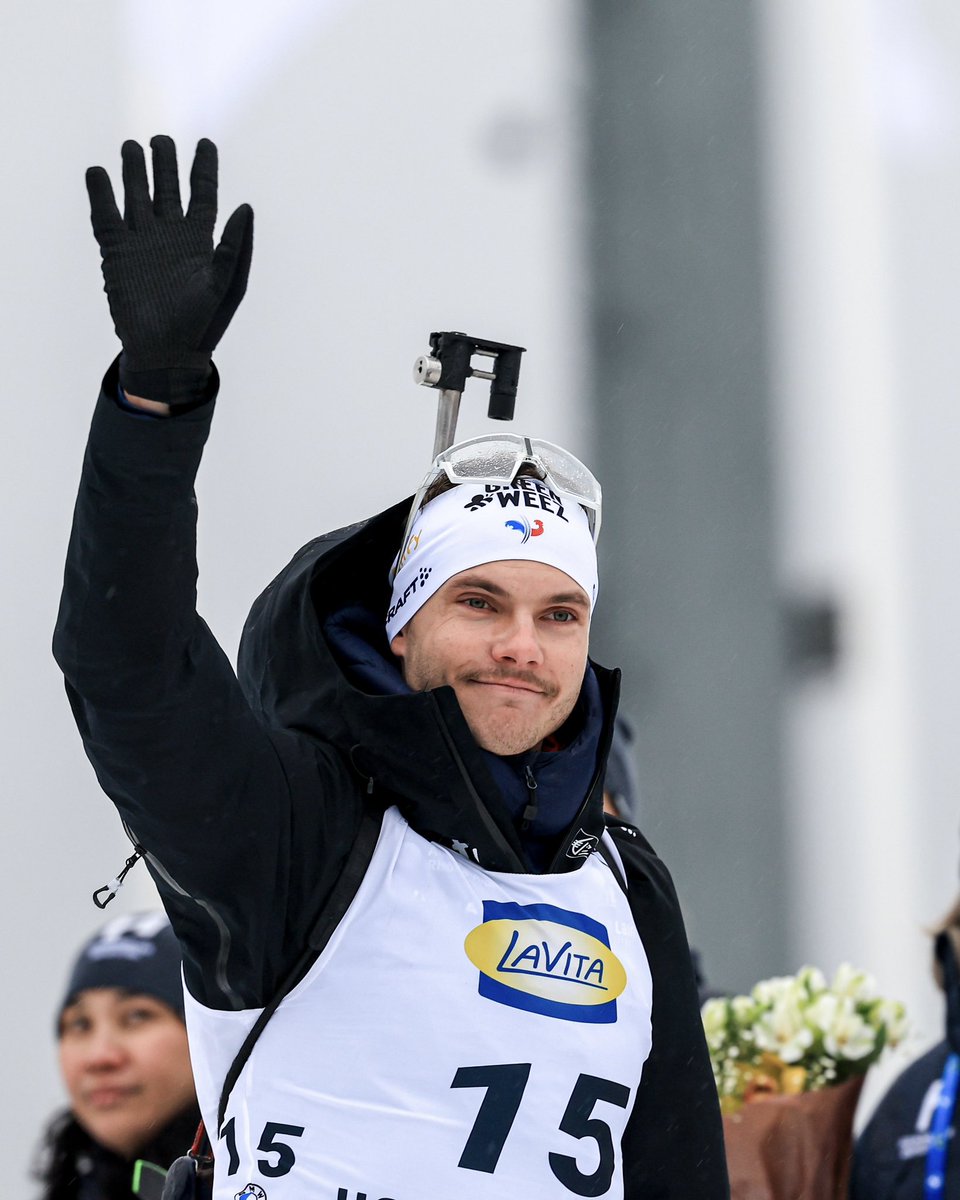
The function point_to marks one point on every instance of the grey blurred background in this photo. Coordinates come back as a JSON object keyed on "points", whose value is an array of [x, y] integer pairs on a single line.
{"points": [[726, 233]]}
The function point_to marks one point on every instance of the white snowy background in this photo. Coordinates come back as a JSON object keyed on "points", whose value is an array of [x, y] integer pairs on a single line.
{"points": [[417, 166]]}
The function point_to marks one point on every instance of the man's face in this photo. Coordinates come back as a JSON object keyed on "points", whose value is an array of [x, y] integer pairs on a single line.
{"points": [[510, 638]]}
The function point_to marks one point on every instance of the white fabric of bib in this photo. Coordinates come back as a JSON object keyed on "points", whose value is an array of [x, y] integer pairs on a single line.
{"points": [[465, 1035], [481, 523]]}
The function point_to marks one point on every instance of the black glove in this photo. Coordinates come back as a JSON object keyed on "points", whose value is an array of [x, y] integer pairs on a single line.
{"points": [[171, 294]]}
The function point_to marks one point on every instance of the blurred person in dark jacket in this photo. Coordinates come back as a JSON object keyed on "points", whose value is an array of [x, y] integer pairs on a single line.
{"points": [[908, 1149], [621, 785], [123, 1056], [621, 798]]}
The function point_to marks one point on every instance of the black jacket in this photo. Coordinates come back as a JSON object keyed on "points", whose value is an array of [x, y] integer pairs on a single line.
{"points": [[72, 1166], [247, 795], [890, 1156]]}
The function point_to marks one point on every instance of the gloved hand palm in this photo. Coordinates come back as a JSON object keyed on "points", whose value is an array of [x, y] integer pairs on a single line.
{"points": [[171, 293]]}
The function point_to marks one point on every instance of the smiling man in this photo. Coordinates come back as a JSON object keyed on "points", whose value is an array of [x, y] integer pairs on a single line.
{"points": [[488, 636], [508, 632], [407, 776]]}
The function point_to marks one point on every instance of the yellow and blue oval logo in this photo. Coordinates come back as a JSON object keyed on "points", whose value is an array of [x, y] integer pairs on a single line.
{"points": [[546, 960]]}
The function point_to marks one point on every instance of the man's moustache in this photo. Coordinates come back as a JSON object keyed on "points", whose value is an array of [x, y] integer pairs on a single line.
{"points": [[511, 677]]}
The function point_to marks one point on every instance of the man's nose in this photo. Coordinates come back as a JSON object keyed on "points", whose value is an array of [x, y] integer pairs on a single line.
{"points": [[517, 641]]}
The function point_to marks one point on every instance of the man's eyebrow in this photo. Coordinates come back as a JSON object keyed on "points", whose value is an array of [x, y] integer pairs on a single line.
{"points": [[570, 598], [478, 581], [481, 583]]}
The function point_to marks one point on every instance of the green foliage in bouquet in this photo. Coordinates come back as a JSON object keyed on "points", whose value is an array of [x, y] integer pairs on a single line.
{"points": [[795, 1034]]}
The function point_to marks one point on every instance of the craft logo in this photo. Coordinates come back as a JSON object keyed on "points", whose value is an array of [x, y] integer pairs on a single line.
{"points": [[583, 845], [546, 960], [522, 525], [416, 582], [524, 492]]}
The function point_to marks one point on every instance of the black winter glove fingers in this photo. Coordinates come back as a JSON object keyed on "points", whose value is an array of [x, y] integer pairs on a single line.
{"points": [[171, 294], [231, 267], [104, 214], [136, 190], [166, 184], [203, 183]]}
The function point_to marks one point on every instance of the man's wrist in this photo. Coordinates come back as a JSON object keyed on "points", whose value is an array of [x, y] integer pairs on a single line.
{"points": [[148, 404], [156, 408], [179, 387]]}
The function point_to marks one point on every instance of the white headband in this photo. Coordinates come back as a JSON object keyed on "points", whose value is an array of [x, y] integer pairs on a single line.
{"points": [[474, 524]]}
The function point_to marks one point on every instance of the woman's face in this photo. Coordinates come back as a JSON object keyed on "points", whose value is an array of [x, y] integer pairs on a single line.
{"points": [[125, 1064]]}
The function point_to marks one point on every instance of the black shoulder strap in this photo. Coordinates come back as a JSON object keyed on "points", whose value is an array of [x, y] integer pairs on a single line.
{"points": [[330, 916]]}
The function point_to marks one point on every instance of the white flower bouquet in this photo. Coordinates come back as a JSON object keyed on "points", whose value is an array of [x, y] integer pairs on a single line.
{"points": [[796, 1034], [801, 1047]]}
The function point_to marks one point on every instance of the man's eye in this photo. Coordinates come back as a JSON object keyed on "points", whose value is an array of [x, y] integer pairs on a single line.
{"points": [[476, 602], [563, 615]]}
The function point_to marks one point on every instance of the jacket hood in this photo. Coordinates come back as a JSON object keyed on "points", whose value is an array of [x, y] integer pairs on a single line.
{"points": [[414, 745]]}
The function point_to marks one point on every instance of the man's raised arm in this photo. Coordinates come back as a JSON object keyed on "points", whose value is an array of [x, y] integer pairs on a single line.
{"points": [[194, 774]]}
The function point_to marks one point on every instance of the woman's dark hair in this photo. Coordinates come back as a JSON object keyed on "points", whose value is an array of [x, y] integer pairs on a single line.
{"points": [[56, 1165], [950, 925], [66, 1145]]}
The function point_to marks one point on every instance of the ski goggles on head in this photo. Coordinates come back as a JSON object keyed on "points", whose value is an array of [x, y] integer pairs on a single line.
{"points": [[497, 458]]}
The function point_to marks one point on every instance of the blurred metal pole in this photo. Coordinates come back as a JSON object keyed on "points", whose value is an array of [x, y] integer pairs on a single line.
{"points": [[688, 604]]}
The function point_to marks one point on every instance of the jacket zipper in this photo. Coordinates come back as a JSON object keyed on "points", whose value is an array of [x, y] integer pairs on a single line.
{"points": [[488, 821], [605, 750], [530, 812], [223, 932], [220, 969]]}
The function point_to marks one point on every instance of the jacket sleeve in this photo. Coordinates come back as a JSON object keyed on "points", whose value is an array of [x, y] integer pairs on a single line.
{"points": [[673, 1146], [201, 784]]}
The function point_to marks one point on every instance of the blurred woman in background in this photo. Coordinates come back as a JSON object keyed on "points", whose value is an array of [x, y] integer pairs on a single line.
{"points": [[124, 1062], [909, 1148]]}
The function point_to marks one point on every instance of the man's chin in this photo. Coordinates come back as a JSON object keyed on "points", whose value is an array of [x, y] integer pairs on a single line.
{"points": [[511, 726], [507, 738], [506, 747]]}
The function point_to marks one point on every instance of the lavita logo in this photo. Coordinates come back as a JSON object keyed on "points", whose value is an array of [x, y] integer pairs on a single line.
{"points": [[546, 960]]}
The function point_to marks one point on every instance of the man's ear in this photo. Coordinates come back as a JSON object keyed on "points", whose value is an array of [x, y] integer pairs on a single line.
{"points": [[398, 644]]}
